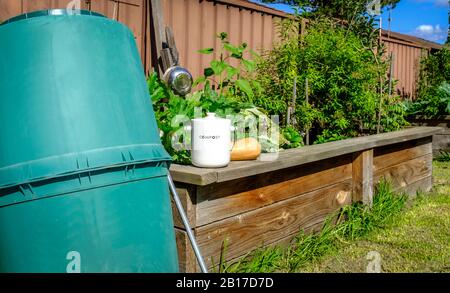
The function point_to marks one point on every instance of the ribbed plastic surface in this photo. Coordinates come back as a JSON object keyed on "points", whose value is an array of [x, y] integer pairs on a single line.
{"points": [[73, 96], [83, 182]]}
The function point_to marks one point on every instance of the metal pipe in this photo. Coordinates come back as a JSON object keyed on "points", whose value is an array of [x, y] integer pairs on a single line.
{"points": [[184, 218]]}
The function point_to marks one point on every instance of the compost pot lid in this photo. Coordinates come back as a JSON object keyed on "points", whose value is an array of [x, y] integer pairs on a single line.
{"points": [[75, 163], [49, 12]]}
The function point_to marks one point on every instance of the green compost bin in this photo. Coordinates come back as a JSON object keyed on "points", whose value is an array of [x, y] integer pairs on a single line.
{"points": [[83, 184]]}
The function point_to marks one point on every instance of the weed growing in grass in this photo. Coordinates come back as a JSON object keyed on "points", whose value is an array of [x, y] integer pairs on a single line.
{"points": [[443, 156], [350, 223]]}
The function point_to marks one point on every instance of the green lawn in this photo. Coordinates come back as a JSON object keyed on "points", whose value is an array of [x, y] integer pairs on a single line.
{"points": [[407, 236], [417, 241]]}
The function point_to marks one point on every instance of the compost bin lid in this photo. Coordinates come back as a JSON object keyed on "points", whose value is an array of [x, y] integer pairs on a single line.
{"points": [[54, 12], [39, 141]]}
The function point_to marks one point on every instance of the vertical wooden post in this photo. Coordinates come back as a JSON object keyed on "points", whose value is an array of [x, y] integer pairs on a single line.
{"points": [[302, 29], [362, 173], [158, 31]]}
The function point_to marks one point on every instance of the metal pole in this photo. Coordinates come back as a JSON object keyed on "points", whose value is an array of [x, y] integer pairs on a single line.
{"points": [[391, 72], [184, 218], [307, 102]]}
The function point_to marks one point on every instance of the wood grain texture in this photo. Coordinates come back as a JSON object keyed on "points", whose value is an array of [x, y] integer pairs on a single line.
{"points": [[158, 32], [295, 157], [397, 153], [441, 143], [247, 231], [442, 121], [186, 194], [282, 243], [362, 179], [421, 185], [406, 173], [193, 175], [186, 256], [227, 199]]}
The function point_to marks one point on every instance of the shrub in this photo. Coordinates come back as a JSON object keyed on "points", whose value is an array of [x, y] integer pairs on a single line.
{"points": [[343, 77], [433, 91]]}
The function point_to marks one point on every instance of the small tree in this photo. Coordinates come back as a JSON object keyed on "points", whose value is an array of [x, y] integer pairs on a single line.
{"points": [[353, 13]]}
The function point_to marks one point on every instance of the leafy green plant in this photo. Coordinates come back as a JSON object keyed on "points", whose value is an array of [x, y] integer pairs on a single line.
{"points": [[343, 82], [224, 91], [230, 81], [435, 101], [443, 156], [433, 91], [352, 13], [293, 139]]}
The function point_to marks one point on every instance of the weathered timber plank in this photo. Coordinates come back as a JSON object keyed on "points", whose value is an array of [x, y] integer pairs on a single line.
{"points": [[441, 143], [193, 175], [246, 231], [282, 243], [295, 157], [406, 173], [424, 185], [187, 198], [362, 180], [398, 153], [221, 200], [186, 256]]}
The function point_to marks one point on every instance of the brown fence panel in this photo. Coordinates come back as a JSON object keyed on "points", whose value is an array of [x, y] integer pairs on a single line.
{"points": [[406, 66], [196, 23]]}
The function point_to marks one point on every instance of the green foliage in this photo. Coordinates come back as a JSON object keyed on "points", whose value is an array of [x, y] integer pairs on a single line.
{"points": [[434, 86], [230, 81], [341, 9], [434, 101], [443, 156], [224, 88], [171, 111], [352, 222], [352, 13], [343, 77], [276, 72], [293, 139], [435, 69]]}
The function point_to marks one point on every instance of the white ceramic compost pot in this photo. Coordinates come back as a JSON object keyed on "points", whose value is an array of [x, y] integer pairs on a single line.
{"points": [[210, 141]]}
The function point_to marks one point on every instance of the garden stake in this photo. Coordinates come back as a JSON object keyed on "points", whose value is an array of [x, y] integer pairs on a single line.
{"points": [[184, 218]]}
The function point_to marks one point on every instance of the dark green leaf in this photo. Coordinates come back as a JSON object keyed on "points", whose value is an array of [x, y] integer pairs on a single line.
{"points": [[237, 56], [206, 51], [208, 71]]}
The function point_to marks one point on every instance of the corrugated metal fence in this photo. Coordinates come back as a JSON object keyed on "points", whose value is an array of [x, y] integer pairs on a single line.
{"points": [[195, 24]]}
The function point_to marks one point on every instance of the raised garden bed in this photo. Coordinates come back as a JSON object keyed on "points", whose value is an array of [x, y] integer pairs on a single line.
{"points": [[441, 141], [254, 203]]}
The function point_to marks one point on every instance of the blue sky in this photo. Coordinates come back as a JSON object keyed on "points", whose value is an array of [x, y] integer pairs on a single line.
{"points": [[427, 19]]}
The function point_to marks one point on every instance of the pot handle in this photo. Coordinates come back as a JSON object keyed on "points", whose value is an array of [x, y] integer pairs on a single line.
{"points": [[233, 140]]}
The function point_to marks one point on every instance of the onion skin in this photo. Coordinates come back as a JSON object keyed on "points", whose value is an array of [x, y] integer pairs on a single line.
{"points": [[245, 149]]}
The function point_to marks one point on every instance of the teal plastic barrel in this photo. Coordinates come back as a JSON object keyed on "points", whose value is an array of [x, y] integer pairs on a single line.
{"points": [[83, 184]]}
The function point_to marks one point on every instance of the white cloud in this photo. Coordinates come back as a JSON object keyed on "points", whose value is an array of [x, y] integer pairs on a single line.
{"points": [[430, 32], [440, 3], [443, 3], [425, 29]]}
